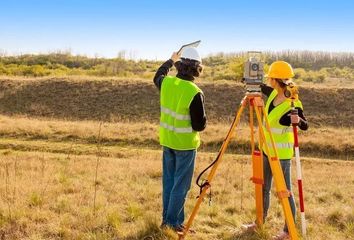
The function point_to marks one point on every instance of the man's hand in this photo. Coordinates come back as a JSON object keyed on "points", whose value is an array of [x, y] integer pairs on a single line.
{"points": [[175, 57]]}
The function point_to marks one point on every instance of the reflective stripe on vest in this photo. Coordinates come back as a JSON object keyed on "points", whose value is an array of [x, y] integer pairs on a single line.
{"points": [[281, 130], [175, 129], [174, 114], [281, 145]]}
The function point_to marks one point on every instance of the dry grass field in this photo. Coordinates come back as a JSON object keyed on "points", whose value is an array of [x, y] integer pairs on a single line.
{"points": [[49, 195], [81, 160]]}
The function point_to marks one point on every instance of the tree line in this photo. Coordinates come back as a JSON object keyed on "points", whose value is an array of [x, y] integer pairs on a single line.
{"points": [[309, 65]]}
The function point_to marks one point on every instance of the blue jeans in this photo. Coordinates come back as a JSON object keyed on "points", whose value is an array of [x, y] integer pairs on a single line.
{"points": [[268, 178], [178, 168]]}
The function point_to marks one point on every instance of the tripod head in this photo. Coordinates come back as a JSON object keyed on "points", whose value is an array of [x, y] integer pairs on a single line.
{"points": [[253, 72]]}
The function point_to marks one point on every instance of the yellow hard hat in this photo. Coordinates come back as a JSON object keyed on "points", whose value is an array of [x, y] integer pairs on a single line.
{"points": [[281, 70]]}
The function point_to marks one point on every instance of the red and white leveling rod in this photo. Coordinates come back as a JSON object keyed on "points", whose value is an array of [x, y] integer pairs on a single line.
{"points": [[299, 174]]}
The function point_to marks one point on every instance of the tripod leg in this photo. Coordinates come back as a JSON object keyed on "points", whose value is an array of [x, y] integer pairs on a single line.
{"points": [[258, 181], [252, 126], [277, 172], [257, 166], [214, 168]]}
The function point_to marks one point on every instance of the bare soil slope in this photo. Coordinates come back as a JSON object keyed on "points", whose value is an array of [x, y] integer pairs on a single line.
{"points": [[112, 100]]}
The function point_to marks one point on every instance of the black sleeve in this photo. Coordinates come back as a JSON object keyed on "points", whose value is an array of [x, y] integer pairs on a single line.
{"points": [[162, 72], [197, 112], [266, 90], [285, 120]]}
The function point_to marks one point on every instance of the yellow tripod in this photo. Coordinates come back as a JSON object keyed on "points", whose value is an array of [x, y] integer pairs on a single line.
{"points": [[256, 105]]}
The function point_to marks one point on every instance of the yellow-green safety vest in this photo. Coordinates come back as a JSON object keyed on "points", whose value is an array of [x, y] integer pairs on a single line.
{"points": [[176, 130], [283, 135]]}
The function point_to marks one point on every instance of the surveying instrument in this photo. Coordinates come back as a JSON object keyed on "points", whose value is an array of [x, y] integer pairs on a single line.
{"points": [[253, 78]]}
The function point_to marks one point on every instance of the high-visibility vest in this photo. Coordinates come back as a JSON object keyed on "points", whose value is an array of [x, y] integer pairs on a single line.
{"points": [[283, 135], [176, 130]]}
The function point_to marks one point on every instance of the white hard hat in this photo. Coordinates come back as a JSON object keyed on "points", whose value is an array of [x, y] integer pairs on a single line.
{"points": [[191, 53]]}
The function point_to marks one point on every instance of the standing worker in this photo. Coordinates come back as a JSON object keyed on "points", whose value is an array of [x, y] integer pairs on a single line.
{"points": [[278, 108], [182, 117]]}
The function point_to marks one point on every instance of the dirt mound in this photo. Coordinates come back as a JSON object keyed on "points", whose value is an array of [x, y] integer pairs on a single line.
{"points": [[112, 100]]}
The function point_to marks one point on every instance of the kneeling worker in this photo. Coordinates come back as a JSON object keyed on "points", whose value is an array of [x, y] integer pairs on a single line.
{"points": [[182, 116]]}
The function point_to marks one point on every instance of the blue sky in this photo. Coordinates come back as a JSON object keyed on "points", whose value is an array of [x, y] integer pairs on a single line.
{"points": [[153, 29]]}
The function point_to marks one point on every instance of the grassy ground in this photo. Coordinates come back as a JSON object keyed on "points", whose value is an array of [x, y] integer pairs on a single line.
{"points": [[49, 157], [325, 142], [48, 185], [51, 196]]}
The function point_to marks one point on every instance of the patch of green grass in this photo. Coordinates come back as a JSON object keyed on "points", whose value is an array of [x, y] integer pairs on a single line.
{"points": [[62, 205], [35, 200], [150, 230], [134, 212], [114, 220]]}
